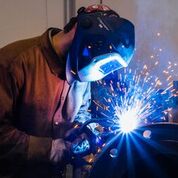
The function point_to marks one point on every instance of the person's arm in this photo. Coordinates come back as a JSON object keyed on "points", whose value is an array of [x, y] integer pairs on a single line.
{"points": [[84, 113], [15, 144]]}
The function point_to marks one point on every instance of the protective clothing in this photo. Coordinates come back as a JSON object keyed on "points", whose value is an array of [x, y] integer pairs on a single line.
{"points": [[36, 104]]}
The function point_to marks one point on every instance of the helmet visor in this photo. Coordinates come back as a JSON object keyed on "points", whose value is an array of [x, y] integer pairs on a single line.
{"points": [[101, 66]]}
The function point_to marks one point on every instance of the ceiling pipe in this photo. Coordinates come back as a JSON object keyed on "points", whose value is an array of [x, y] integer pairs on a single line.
{"points": [[69, 10]]}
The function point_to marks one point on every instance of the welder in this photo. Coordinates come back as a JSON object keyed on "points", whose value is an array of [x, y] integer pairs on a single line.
{"points": [[45, 88]]}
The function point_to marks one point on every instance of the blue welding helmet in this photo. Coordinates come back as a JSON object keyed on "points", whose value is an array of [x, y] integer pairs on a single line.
{"points": [[103, 42]]}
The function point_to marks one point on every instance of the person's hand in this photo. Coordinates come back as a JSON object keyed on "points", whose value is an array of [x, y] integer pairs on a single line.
{"points": [[83, 140], [80, 147], [78, 143], [60, 152], [61, 147]]}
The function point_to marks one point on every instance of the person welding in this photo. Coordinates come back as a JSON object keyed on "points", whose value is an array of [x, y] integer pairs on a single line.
{"points": [[45, 88]]}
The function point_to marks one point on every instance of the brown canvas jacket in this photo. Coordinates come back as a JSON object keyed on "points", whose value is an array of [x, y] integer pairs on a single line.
{"points": [[35, 104]]}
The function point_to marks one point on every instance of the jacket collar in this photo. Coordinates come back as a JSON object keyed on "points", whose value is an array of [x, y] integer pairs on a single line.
{"points": [[56, 63]]}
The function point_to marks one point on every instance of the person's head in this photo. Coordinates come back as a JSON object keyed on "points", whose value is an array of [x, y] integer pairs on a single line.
{"points": [[103, 42]]}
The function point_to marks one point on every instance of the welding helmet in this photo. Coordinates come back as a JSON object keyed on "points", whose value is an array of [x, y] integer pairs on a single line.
{"points": [[103, 42]]}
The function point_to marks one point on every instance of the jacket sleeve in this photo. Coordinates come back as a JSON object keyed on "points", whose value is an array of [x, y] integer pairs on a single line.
{"points": [[16, 145], [84, 113]]}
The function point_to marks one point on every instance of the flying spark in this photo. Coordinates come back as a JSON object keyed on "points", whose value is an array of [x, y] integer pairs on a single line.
{"points": [[134, 99]]}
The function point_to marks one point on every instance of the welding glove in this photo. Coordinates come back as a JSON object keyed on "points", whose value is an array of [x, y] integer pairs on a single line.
{"points": [[60, 151], [80, 147], [61, 148], [77, 143], [59, 156], [83, 140]]}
